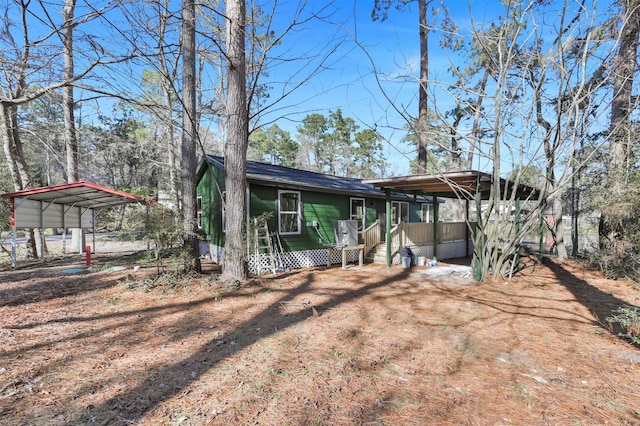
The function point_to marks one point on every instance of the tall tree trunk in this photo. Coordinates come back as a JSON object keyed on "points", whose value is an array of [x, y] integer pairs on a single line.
{"points": [[9, 147], [235, 150], [68, 100], [189, 135], [21, 161], [423, 109], [623, 76], [68, 105], [624, 68], [477, 114]]}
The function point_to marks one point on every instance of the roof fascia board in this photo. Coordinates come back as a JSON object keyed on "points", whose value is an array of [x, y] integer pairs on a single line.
{"points": [[301, 186], [95, 187]]}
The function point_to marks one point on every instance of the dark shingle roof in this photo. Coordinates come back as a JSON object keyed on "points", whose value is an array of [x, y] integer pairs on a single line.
{"points": [[268, 174]]}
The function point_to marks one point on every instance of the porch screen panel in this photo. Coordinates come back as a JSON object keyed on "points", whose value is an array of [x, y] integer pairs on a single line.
{"points": [[427, 212], [358, 212], [399, 212]]}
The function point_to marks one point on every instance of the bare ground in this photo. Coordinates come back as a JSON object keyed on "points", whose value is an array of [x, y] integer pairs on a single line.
{"points": [[361, 346]]}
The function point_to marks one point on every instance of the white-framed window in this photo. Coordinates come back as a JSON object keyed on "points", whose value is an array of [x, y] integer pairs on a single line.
{"points": [[223, 207], [426, 212], [358, 212], [399, 212], [199, 211], [289, 214]]}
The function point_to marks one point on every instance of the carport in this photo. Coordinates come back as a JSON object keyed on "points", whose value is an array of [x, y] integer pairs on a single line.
{"points": [[70, 205], [467, 185]]}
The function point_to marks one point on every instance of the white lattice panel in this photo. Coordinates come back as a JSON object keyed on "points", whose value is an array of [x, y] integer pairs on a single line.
{"points": [[309, 258]]}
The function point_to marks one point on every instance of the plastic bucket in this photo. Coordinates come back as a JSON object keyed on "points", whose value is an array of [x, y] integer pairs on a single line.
{"points": [[421, 260], [406, 262]]}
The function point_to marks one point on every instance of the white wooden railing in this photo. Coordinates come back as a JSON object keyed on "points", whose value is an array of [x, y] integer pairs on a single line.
{"points": [[371, 237], [421, 233]]}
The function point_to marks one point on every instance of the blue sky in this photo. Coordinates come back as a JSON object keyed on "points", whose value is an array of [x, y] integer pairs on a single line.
{"points": [[393, 46], [351, 83]]}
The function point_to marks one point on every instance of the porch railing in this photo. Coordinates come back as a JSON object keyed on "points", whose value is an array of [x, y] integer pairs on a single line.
{"points": [[371, 236], [413, 234], [421, 233]]}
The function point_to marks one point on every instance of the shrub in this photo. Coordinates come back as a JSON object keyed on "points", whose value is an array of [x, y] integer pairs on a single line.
{"points": [[628, 317]]}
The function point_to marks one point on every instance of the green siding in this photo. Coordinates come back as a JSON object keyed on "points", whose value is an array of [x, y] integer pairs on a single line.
{"points": [[319, 207], [263, 200], [323, 208], [212, 204]]}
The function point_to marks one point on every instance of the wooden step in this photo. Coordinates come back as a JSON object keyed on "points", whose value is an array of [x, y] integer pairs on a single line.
{"points": [[378, 254]]}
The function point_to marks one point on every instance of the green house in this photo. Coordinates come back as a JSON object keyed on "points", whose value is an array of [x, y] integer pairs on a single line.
{"points": [[302, 207]]}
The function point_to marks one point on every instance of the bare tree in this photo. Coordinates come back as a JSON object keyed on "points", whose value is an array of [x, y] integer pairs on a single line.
{"points": [[380, 12], [154, 28], [523, 102]]}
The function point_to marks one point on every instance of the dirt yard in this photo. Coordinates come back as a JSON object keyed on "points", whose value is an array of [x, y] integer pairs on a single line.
{"points": [[369, 346]]}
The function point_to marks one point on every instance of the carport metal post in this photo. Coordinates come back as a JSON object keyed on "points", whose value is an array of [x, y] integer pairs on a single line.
{"points": [[42, 209], [387, 193], [436, 214], [466, 229], [517, 257], [64, 233], [479, 250], [12, 222], [93, 228]]}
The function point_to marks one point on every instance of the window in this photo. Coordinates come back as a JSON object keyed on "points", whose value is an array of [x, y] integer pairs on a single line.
{"points": [[289, 217], [399, 212], [358, 212], [199, 212], [427, 212], [224, 211]]}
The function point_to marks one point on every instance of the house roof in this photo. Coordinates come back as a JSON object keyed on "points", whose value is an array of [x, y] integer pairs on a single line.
{"points": [[78, 194], [465, 184], [269, 174]]}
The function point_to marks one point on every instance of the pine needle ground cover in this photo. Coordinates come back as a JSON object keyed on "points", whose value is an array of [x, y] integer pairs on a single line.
{"points": [[358, 346]]}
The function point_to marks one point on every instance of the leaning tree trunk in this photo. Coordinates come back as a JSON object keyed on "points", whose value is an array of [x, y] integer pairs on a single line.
{"points": [[235, 150]]}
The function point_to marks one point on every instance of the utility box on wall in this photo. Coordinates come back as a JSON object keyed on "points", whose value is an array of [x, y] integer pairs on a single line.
{"points": [[345, 232]]}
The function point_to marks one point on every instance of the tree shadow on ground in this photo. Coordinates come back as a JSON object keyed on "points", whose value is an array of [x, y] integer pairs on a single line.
{"points": [[600, 303], [61, 277], [132, 404], [53, 285]]}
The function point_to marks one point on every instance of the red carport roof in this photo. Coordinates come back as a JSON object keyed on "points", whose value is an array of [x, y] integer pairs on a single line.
{"points": [[80, 194]]}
